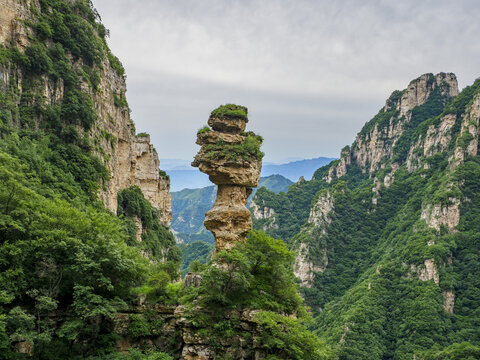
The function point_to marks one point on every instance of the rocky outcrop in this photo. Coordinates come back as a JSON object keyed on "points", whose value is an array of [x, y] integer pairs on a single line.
{"points": [[304, 268], [427, 271], [320, 211], [449, 301], [436, 140], [467, 142], [374, 145], [12, 30], [261, 213], [419, 90], [232, 159], [447, 215], [131, 160], [169, 327]]}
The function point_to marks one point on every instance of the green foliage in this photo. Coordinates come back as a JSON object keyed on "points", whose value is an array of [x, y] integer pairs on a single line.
{"points": [[462, 351], [433, 107], [163, 174], [38, 60], [73, 26], [56, 256], [196, 251], [143, 135], [156, 239], [116, 65], [257, 274], [249, 150], [120, 101], [254, 275], [292, 207], [204, 130], [288, 338], [134, 354], [230, 111]]}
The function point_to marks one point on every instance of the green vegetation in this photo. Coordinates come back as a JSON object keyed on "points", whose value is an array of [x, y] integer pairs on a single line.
{"points": [[231, 111], [56, 255], [156, 239], [204, 130], [249, 150], [67, 264], [143, 135], [198, 251], [255, 275], [369, 302], [163, 174]]}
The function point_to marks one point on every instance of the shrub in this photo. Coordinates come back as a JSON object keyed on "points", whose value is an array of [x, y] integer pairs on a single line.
{"points": [[230, 111]]}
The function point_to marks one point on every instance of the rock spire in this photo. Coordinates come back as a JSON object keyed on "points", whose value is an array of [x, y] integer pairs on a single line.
{"points": [[233, 160]]}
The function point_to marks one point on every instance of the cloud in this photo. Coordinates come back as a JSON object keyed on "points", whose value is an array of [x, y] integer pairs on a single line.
{"points": [[311, 72]]}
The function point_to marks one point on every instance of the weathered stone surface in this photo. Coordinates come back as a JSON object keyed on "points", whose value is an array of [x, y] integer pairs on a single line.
{"points": [[212, 137], [438, 215], [449, 301], [235, 174], [427, 272], [226, 125], [230, 172], [229, 220], [192, 280], [304, 269], [319, 219]]}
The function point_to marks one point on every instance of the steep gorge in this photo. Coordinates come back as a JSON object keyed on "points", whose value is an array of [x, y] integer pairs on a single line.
{"points": [[390, 228]]}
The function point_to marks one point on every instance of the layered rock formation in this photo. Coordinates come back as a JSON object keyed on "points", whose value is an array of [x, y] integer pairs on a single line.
{"points": [[187, 340], [130, 159], [375, 144], [233, 161]]}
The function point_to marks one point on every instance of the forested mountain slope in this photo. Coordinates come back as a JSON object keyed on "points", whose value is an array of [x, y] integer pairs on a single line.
{"points": [[70, 162], [387, 237]]}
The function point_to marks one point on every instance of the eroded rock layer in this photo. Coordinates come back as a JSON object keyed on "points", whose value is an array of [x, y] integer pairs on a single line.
{"points": [[233, 160]]}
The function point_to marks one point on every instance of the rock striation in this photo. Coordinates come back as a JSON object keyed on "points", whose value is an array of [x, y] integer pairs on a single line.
{"points": [[232, 159]]}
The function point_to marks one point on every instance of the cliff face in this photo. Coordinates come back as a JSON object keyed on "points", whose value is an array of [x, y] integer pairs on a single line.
{"points": [[232, 159], [131, 160], [375, 144]]}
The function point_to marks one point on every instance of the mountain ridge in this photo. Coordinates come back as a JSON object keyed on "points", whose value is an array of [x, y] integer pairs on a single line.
{"points": [[383, 234]]}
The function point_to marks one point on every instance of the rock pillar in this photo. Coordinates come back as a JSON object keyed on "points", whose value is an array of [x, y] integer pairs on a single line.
{"points": [[233, 160]]}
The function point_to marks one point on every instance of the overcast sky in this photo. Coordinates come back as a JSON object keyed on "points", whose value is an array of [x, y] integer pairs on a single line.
{"points": [[310, 72]]}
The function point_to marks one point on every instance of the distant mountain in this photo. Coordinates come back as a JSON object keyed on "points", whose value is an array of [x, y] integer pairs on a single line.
{"points": [[190, 205], [183, 176], [293, 170]]}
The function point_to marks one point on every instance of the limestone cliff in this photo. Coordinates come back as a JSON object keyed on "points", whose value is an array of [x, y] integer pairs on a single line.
{"points": [[232, 159], [312, 234], [375, 145], [130, 159]]}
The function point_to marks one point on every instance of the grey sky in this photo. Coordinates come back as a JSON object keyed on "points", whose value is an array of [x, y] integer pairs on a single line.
{"points": [[310, 72]]}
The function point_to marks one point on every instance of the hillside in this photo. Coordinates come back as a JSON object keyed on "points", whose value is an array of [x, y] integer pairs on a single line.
{"points": [[386, 237]]}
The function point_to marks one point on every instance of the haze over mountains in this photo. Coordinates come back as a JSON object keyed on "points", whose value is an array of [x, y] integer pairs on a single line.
{"points": [[183, 176]]}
